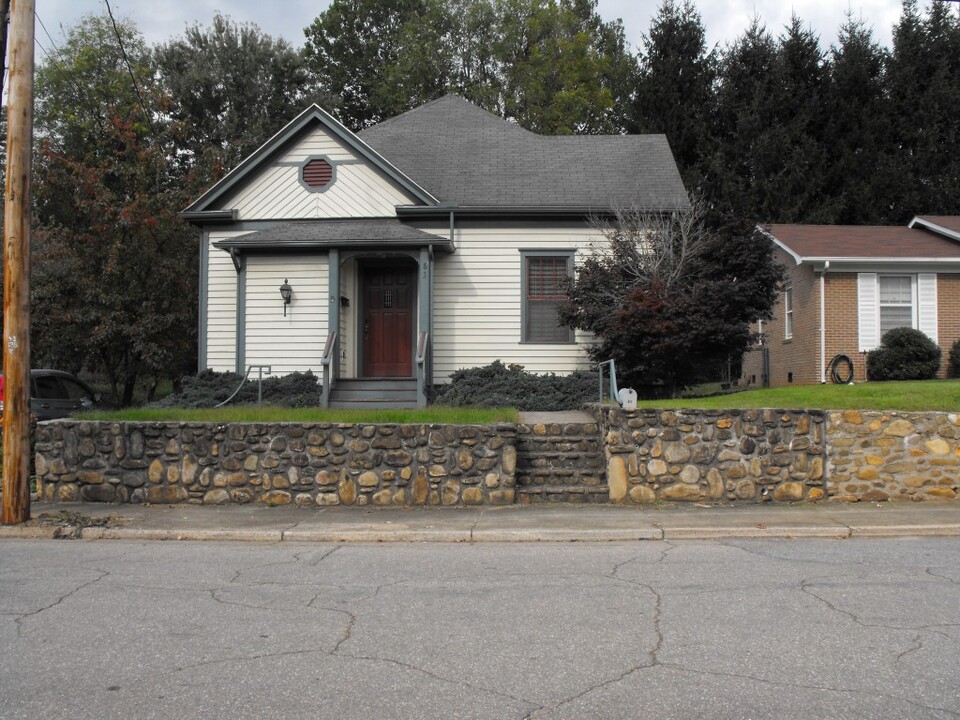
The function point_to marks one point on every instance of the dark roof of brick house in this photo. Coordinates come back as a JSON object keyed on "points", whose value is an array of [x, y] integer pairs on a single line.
{"points": [[465, 155], [863, 241]]}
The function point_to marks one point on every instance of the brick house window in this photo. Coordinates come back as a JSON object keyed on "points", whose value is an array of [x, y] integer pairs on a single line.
{"points": [[544, 280], [896, 302], [788, 312]]}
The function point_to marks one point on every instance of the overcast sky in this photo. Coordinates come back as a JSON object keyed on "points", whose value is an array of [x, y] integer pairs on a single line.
{"points": [[160, 20]]}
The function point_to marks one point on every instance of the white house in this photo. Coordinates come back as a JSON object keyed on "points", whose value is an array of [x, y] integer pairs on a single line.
{"points": [[433, 241]]}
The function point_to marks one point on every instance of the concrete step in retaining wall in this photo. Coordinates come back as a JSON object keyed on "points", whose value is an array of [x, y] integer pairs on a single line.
{"points": [[560, 462]]}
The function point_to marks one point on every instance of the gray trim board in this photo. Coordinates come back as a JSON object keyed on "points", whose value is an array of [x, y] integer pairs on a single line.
{"points": [[333, 311], [203, 300], [241, 344]]}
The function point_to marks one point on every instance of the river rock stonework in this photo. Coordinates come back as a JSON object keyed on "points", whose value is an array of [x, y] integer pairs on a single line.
{"points": [[713, 455], [277, 464], [893, 456]]}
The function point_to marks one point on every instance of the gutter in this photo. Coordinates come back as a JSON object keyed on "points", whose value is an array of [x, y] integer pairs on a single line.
{"points": [[205, 217], [823, 324]]}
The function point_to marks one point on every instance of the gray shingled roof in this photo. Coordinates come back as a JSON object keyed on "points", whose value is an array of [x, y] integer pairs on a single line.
{"points": [[321, 233], [462, 154]]}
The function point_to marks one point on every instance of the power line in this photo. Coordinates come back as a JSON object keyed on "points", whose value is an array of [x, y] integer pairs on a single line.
{"points": [[126, 61]]}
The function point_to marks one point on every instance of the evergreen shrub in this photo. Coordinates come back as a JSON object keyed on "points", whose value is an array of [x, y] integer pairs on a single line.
{"points": [[904, 354], [209, 388], [499, 385], [953, 369]]}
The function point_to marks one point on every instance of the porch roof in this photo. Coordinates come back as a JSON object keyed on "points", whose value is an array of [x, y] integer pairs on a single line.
{"points": [[364, 232]]}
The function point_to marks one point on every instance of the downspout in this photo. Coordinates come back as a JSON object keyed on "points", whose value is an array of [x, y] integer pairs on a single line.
{"points": [[823, 324]]}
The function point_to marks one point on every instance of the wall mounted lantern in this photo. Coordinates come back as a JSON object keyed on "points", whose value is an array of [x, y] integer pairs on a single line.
{"points": [[286, 292]]}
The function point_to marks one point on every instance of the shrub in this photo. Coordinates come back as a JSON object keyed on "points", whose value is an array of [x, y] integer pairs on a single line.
{"points": [[499, 385], [954, 367], [904, 354], [210, 388]]}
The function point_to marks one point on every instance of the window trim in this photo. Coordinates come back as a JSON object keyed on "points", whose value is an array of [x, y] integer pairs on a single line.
{"points": [[525, 255], [788, 312]]}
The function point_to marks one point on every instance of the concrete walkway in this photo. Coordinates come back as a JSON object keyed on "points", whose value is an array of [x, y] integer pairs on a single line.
{"points": [[554, 523]]}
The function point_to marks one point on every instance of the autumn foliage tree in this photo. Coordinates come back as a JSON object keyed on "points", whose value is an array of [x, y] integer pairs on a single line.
{"points": [[114, 285], [670, 298]]}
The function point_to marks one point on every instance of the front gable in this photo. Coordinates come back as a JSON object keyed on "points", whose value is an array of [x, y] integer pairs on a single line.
{"points": [[312, 169]]}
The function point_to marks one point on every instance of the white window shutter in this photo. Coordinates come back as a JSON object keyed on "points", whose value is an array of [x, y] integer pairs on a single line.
{"points": [[868, 311], [927, 305]]}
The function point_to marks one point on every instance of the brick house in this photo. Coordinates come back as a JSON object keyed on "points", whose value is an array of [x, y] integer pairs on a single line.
{"points": [[847, 285]]}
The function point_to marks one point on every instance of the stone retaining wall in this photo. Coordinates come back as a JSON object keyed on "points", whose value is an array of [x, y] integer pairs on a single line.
{"points": [[309, 464], [713, 455], [640, 456], [893, 456], [560, 463]]}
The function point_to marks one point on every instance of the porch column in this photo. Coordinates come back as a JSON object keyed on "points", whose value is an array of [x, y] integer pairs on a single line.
{"points": [[333, 314], [425, 313]]}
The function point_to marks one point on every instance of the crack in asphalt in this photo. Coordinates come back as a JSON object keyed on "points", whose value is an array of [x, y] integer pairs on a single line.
{"points": [[929, 627], [931, 573], [21, 617], [801, 686], [653, 659], [918, 645]]}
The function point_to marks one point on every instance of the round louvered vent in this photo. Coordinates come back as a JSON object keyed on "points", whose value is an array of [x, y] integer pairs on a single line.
{"points": [[317, 174]]}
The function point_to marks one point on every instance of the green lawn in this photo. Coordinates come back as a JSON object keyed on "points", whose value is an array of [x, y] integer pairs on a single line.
{"points": [[252, 413], [925, 395]]}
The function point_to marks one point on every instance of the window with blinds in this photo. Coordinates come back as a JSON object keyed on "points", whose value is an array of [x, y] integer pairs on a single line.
{"points": [[896, 302], [545, 288]]}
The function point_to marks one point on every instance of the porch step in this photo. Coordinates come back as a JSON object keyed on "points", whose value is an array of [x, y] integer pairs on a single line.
{"points": [[560, 460], [374, 393]]}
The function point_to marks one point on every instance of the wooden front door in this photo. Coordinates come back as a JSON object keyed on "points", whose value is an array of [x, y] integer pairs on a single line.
{"points": [[388, 301]]}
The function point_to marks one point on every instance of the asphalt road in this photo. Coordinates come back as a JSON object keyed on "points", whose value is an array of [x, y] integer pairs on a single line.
{"points": [[850, 628]]}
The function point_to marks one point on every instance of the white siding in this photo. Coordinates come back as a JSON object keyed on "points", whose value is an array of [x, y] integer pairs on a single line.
{"points": [[221, 307], [275, 192], [477, 302], [295, 342]]}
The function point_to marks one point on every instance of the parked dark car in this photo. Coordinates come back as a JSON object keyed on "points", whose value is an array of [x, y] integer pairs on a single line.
{"points": [[56, 394]]}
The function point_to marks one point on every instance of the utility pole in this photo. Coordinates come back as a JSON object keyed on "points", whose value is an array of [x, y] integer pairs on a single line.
{"points": [[16, 267]]}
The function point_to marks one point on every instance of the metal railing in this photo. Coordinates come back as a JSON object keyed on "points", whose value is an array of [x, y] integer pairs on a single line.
{"points": [[614, 391], [422, 347], [328, 351], [262, 370]]}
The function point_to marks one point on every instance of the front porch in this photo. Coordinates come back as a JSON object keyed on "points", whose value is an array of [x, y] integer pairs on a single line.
{"points": [[378, 296]]}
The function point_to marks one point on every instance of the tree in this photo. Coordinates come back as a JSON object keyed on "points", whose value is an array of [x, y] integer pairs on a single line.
{"points": [[859, 115], [564, 69], [353, 48], [114, 282], [675, 89], [554, 66], [924, 89], [231, 87], [741, 161], [671, 299]]}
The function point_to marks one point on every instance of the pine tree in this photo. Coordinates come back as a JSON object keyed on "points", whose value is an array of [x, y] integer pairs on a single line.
{"points": [[857, 107], [675, 86]]}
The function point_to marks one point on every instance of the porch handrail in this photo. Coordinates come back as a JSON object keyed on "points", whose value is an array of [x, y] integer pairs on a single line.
{"points": [[262, 369], [423, 342], [328, 350], [614, 391]]}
